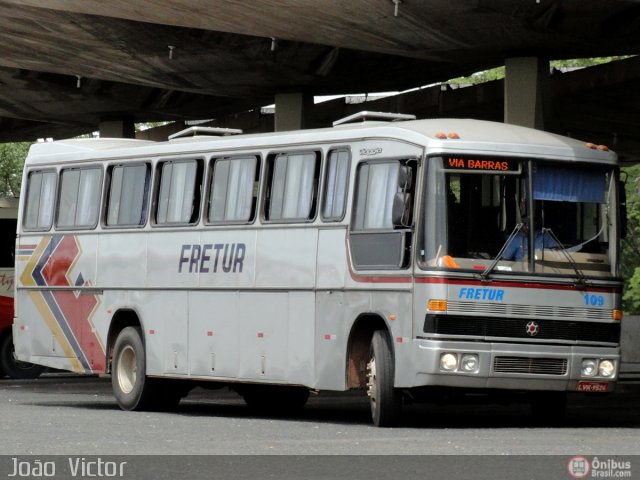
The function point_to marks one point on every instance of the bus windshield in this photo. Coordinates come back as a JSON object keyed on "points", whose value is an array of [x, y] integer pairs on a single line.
{"points": [[484, 213]]}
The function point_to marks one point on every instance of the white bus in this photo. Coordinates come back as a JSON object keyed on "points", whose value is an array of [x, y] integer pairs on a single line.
{"points": [[375, 255]]}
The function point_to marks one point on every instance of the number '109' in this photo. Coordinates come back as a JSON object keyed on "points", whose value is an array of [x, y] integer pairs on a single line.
{"points": [[593, 300]]}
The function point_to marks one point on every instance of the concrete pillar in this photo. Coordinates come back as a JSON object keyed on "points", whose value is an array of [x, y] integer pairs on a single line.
{"points": [[161, 133], [122, 128], [526, 91], [293, 111]]}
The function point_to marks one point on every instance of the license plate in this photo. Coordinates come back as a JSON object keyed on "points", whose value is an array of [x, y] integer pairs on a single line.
{"points": [[593, 387]]}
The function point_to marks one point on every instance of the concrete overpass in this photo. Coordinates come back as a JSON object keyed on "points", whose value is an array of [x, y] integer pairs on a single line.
{"points": [[73, 66]]}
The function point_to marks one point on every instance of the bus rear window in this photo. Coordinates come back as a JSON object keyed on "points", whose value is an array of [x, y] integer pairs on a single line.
{"points": [[41, 188]]}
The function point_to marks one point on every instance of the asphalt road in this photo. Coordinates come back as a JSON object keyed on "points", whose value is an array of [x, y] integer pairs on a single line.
{"points": [[70, 416]]}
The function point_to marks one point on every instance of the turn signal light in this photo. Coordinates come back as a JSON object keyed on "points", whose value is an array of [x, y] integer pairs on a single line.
{"points": [[437, 305], [443, 136], [594, 146], [617, 315]]}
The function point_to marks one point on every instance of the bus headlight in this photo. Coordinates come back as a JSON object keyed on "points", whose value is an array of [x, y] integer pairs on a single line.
{"points": [[589, 367], [606, 368], [448, 362], [469, 363]]}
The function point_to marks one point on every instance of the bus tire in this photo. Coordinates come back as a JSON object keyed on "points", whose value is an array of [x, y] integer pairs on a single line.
{"points": [[13, 367], [385, 400], [131, 387]]}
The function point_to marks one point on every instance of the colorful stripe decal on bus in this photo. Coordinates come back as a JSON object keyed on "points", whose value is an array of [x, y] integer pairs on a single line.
{"points": [[67, 313], [24, 252]]}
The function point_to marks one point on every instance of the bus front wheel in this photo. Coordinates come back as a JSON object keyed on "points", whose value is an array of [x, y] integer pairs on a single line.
{"points": [[131, 387], [384, 399]]}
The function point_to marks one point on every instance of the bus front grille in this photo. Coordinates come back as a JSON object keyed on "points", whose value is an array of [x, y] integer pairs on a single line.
{"points": [[531, 311], [562, 331], [532, 366]]}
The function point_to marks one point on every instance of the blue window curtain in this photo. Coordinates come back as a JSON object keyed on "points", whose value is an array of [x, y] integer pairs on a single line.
{"points": [[563, 184]]}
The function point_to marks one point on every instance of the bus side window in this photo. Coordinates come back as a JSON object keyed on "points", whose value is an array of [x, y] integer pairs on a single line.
{"points": [[79, 198], [336, 184], [179, 192], [293, 185], [380, 236], [41, 187], [127, 203], [233, 196]]}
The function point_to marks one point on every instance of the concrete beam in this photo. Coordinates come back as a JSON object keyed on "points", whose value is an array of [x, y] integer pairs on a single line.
{"points": [[593, 104]]}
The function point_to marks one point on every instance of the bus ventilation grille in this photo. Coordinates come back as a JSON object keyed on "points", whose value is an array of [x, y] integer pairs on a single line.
{"points": [[533, 366]]}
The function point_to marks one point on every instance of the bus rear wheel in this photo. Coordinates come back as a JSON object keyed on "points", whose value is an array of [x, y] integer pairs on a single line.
{"points": [[13, 367], [131, 387], [384, 399]]}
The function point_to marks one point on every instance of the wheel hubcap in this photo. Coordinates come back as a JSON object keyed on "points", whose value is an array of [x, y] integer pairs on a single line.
{"points": [[127, 369], [372, 387]]}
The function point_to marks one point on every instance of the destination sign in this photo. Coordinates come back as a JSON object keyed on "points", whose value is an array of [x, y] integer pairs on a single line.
{"points": [[486, 164]]}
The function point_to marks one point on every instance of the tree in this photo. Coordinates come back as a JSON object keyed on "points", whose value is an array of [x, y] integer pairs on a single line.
{"points": [[12, 157], [499, 72], [631, 298], [630, 260]]}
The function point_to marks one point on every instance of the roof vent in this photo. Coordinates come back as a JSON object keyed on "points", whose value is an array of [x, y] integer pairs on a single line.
{"points": [[195, 131], [366, 115]]}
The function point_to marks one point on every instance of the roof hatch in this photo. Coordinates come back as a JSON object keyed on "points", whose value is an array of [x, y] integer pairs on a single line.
{"points": [[367, 115], [214, 131]]}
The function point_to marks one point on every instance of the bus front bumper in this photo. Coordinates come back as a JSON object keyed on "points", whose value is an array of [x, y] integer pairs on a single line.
{"points": [[497, 365]]}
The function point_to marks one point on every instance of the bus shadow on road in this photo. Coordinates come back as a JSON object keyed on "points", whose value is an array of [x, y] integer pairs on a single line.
{"points": [[616, 410], [350, 408], [422, 416]]}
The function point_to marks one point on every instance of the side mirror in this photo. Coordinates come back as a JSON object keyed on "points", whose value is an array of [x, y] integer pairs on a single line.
{"points": [[401, 212], [622, 196], [405, 178]]}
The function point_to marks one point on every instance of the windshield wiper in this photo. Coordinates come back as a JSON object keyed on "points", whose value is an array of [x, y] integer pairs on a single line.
{"points": [[581, 281], [485, 273]]}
